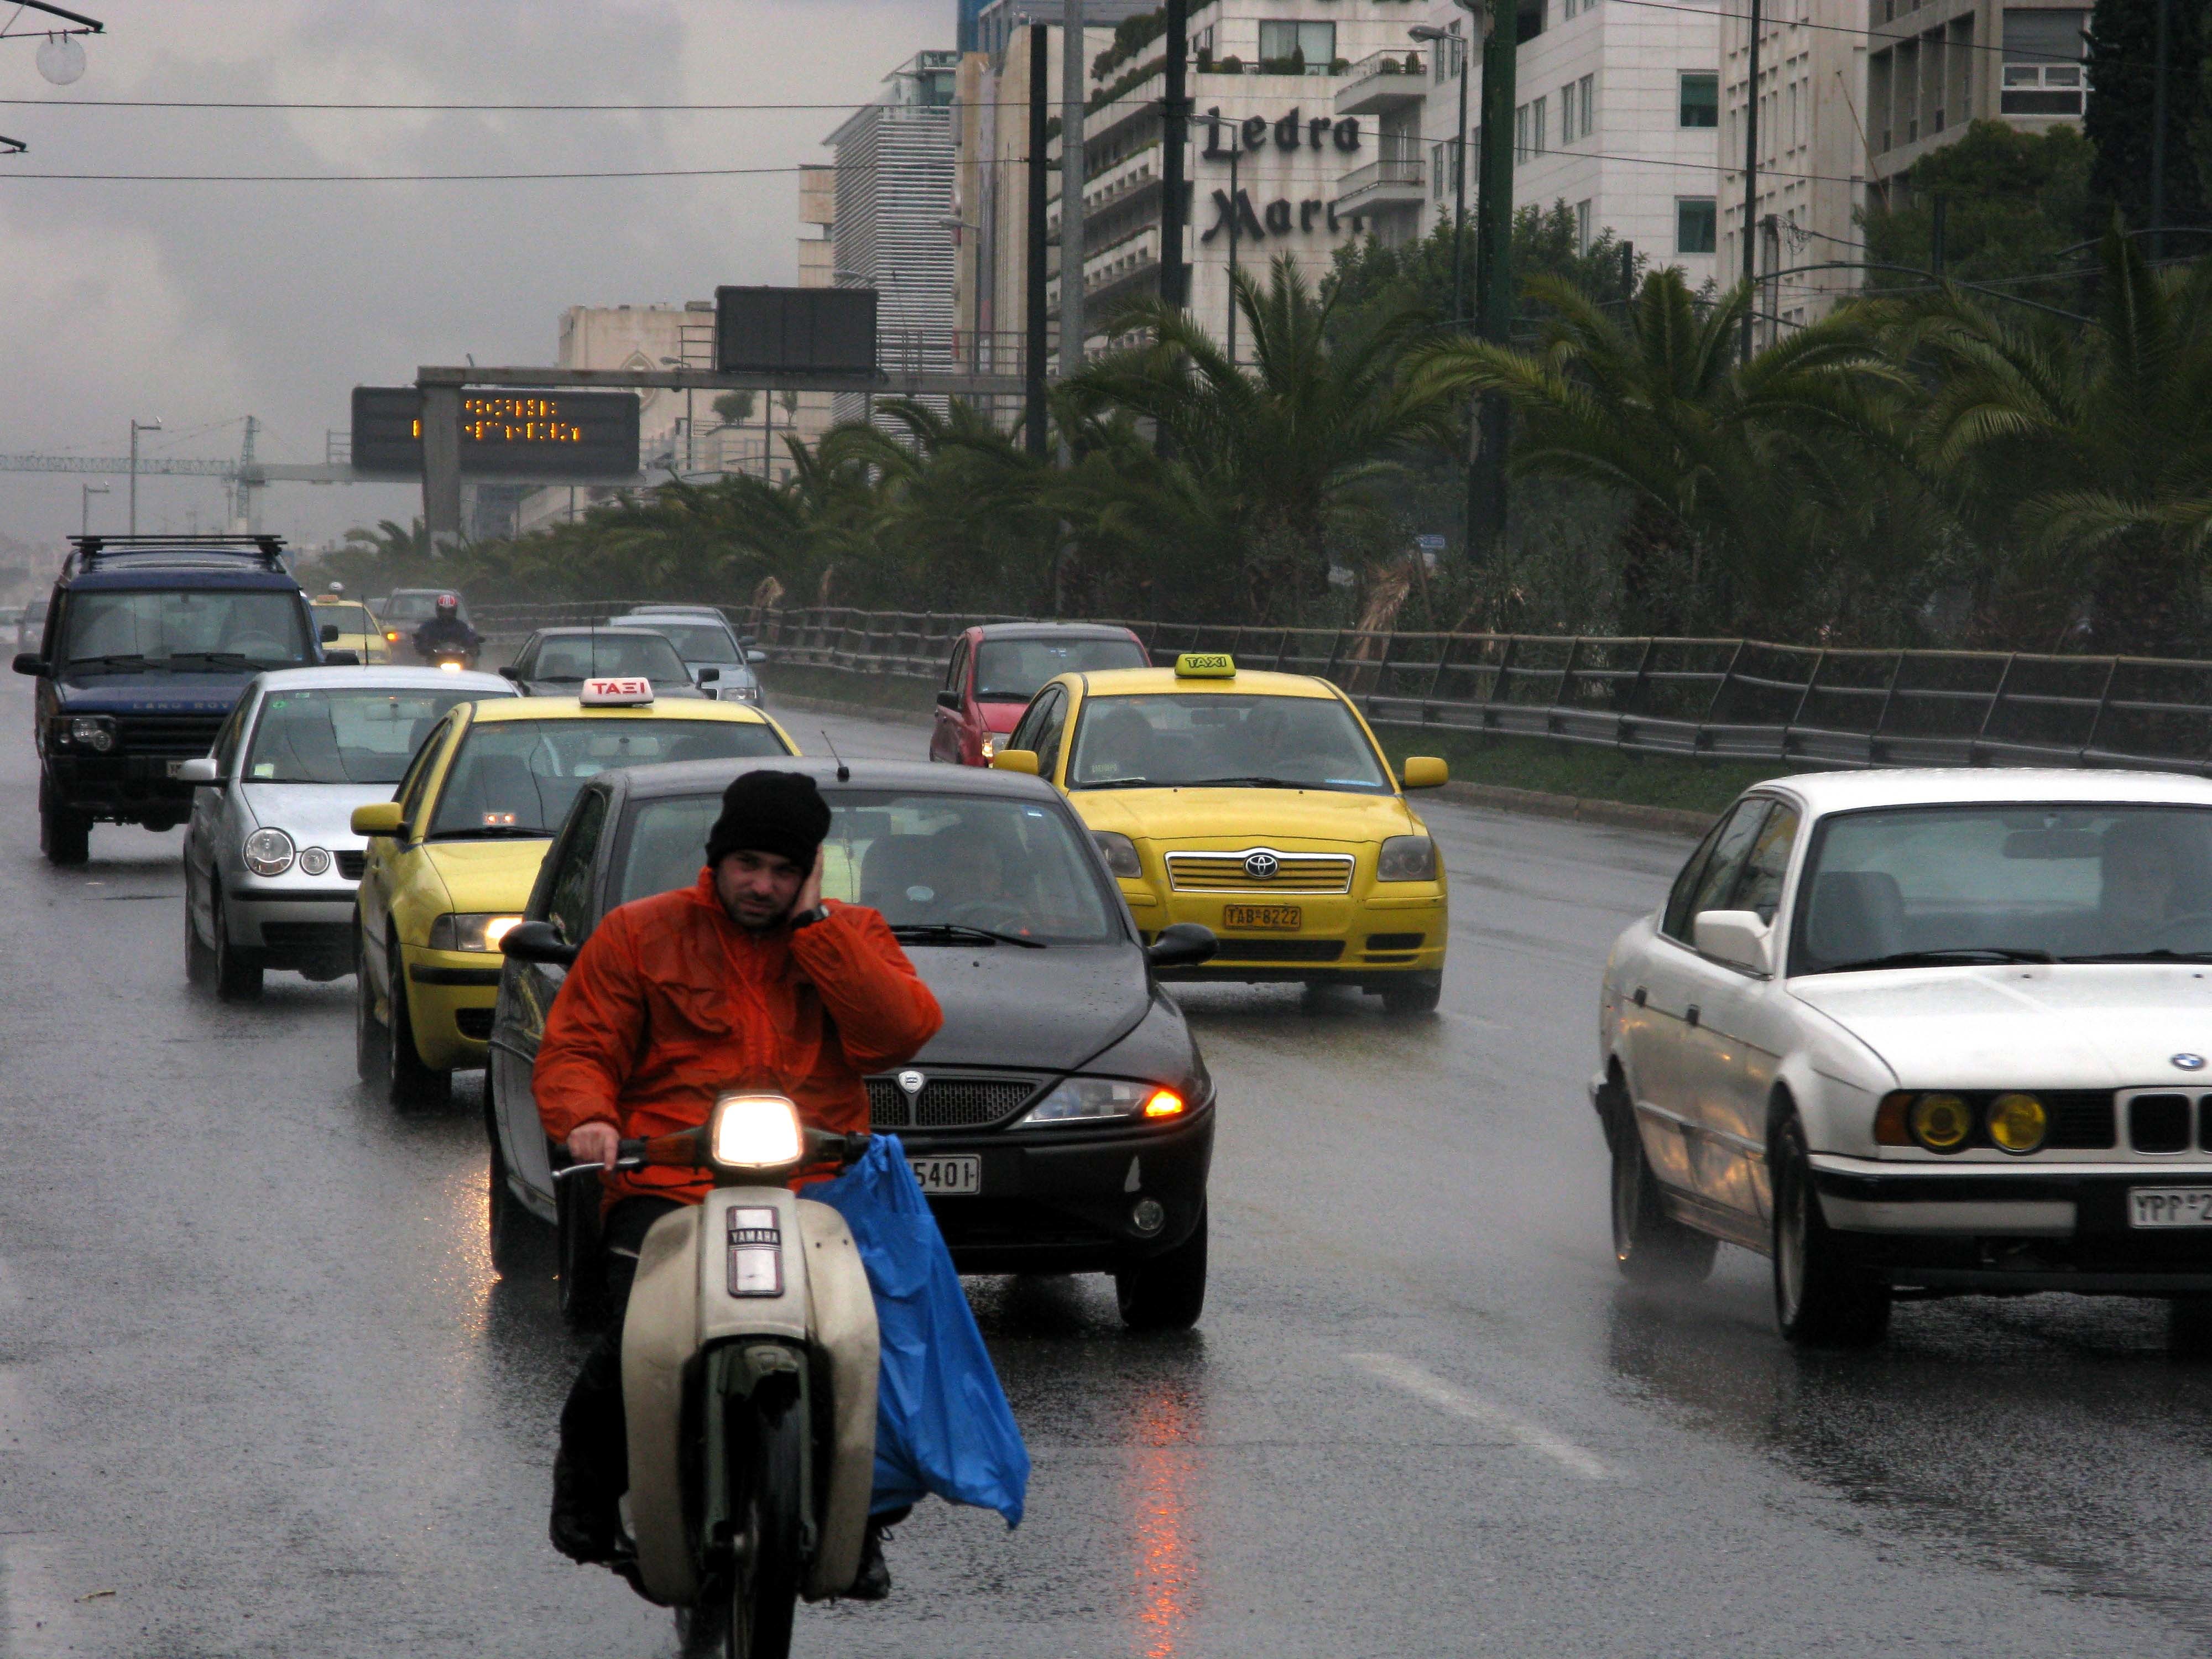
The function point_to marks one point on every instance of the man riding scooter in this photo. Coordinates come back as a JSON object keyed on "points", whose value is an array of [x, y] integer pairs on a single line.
{"points": [[443, 633], [745, 978]]}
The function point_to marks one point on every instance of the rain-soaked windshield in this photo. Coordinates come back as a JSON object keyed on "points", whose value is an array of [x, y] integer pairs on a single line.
{"points": [[346, 736], [1014, 671], [218, 630], [1934, 885], [942, 868], [566, 657], [518, 777], [1225, 740]]}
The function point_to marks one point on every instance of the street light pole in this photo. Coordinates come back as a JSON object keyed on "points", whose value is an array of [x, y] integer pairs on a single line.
{"points": [[1494, 267], [1750, 175], [1442, 41], [84, 515], [136, 427]]}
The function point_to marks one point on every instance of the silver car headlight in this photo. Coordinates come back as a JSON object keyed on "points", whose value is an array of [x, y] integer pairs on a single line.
{"points": [[1102, 1099], [268, 852], [465, 931], [1407, 858], [315, 862]]}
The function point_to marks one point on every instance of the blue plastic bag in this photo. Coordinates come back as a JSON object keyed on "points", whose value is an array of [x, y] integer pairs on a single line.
{"points": [[942, 1422]]}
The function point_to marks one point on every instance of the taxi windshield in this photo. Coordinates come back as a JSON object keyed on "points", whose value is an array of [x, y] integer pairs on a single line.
{"points": [[698, 641], [346, 619], [1222, 740], [215, 630], [1930, 886], [347, 736], [942, 869], [517, 777], [1014, 671], [575, 656]]}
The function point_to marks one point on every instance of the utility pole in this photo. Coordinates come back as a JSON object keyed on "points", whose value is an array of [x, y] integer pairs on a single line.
{"points": [[1770, 242], [1073, 168], [1493, 270], [136, 427], [1033, 367], [1441, 41], [1750, 173], [1175, 134], [2158, 141]]}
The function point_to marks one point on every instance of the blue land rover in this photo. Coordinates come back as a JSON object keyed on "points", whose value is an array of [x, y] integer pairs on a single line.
{"points": [[148, 641]]}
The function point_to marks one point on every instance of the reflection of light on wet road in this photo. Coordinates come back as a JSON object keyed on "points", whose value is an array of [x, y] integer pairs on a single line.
{"points": [[1165, 1476], [465, 1274]]}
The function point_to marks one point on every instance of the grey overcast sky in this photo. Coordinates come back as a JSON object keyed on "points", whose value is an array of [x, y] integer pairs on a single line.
{"points": [[199, 304]]}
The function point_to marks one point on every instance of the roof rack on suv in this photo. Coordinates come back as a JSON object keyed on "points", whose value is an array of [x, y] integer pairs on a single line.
{"points": [[94, 551]]}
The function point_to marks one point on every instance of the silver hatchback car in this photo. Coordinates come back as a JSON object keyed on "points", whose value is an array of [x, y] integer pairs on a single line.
{"points": [[270, 858]]}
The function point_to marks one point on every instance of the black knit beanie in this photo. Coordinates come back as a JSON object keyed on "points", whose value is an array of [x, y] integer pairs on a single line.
{"points": [[778, 812]]}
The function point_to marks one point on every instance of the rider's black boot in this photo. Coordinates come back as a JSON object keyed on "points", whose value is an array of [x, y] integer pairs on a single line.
{"points": [[585, 1528], [873, 1581]]}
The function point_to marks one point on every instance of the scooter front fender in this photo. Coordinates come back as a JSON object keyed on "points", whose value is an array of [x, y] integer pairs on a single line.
{"points": [[661, 1335]]}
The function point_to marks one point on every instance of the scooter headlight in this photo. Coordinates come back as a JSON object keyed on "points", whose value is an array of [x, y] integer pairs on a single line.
{"points": [[755, 1132]]}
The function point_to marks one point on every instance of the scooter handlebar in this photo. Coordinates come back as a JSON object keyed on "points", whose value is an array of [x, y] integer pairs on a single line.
{"points": [[823, 1147]]}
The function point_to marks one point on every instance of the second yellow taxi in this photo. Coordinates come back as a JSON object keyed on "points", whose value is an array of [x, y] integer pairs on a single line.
{"points": [[358, 630], [453, 856], [1259, 805]]}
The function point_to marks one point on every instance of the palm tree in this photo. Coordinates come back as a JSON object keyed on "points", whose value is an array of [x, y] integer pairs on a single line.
{"points": [[1731, 472], [1286, 453], [389, 540], [2083, 453]]}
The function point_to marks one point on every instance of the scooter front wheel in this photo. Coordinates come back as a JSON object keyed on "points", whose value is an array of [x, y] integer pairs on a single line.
{"points": [[764, 1583]]}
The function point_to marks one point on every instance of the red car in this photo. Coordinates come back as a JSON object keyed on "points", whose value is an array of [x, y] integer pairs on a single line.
{"points": [[997, 668]]}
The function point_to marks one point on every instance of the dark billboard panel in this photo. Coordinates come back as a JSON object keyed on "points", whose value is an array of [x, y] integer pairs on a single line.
{"points": [[504, 435], [795, 330]]}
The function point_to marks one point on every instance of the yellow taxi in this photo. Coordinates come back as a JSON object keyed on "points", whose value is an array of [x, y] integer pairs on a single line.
{"points": [[358, 630], [453, 856], [1259, 805]]}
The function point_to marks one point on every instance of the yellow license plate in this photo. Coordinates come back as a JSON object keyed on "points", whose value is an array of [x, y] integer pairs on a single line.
{"points": [[1281, 918]]}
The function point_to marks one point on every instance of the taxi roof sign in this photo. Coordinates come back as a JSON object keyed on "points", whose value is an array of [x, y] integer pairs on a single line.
{"points": [[1205, 666], [628, 692]]}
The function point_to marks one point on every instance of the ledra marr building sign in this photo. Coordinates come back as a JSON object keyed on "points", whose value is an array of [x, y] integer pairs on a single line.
{"points": [[1264, 208]]}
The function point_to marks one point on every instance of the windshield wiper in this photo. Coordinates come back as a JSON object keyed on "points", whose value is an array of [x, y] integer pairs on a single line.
{"points": [[491, 832], [948, 931], [2144, 956], [1254, 782], [1128, 783], [118, 659], [1966, 953]]}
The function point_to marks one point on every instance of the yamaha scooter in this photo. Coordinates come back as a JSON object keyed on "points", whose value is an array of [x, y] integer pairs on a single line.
{"points": [[749, 1361]]}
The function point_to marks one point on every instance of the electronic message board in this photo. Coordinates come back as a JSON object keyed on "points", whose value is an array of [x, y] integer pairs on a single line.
{"points": [[795, 330], [504, 435]]}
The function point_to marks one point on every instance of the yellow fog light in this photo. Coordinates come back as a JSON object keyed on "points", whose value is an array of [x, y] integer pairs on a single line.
{"points": [[2018, 1122], [1940, 1122]]}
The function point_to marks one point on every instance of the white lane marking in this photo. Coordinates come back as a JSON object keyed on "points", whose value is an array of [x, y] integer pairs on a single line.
{"points": [[1449, 1397]]}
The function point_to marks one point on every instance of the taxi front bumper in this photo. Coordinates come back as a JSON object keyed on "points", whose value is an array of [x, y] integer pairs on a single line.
{"points": [[450, 996], [1342, 937]]}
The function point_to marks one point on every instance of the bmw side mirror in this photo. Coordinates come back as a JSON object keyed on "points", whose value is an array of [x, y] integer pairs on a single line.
{"points": [[30, 662], [1184, 945], [755, 656], [1739, 937], [949, 700], [539, 942]]}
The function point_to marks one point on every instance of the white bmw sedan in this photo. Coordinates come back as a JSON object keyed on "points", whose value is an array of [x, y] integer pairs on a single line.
{"points": [[1918, 1033]]}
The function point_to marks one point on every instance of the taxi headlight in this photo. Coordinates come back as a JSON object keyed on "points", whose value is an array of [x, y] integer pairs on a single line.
{"points": [[465, 931], [268, 852], [314, 861], [2017, 1123], [1407, 858], [92, 732], [1120, 852], [1098, 1099], [755, 1132], [992, 740], [1940, 1122]]}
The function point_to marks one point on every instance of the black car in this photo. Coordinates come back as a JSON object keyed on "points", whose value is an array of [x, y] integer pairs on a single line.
{"points": [[147, 645], [554, 662], [1061, 1122]]}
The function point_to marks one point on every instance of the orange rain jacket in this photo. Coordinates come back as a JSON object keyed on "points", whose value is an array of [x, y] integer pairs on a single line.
{"points": [[671, 1004]]}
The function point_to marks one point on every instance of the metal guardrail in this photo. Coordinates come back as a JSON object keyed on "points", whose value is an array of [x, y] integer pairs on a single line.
{"points": [[1746, 699]]}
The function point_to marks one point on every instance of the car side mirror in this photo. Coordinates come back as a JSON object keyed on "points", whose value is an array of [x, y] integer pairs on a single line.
{"points": [[709, 674], [1017, 760], [381, 818], [328, 633], [949, 700], [1425, 772], [1184, 945], [30, 662], [539, 942], [341, 658], [752, 655], [200, 769], [511, 672], [1736, 937]]}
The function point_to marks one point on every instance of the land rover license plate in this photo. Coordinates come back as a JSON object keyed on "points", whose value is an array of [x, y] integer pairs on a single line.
{"points": [[2170, 1206], [1280, 918], [959, 1176]]}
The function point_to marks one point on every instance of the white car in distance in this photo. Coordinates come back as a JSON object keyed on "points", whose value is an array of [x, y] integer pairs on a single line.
{"points": [[1924, 1033]]}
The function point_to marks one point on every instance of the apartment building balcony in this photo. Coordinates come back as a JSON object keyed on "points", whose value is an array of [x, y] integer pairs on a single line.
{"points": [[1386, 81], [1393, 180]]}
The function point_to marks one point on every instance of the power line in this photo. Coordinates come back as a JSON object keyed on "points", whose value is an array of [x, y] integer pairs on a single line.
{"points": [[2018, 55], [392, 178]]}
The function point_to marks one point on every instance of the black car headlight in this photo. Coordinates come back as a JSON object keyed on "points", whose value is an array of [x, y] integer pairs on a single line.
{"points": [[1103, 1099], [94, 733]]}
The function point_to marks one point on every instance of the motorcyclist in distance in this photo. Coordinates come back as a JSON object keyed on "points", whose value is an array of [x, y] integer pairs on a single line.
{"points": [[746, 976], [444, 630]]}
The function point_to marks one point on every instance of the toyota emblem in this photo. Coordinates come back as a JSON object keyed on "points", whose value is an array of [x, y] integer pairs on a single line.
{"points": [[2189, 1062], [1263, 867], [911, 1082]]}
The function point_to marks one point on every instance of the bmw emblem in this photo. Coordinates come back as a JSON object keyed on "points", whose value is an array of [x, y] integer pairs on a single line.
{"points": [[2189, 1062], [1263, 867], [912, 1082]]}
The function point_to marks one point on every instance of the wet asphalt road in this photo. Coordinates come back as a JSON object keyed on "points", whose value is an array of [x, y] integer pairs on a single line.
{"points": [[260, 1392]]}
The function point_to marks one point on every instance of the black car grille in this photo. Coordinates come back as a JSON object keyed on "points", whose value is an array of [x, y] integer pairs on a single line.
{"points": [[948, 1102], [352, 864], [2082, 1119], [166, 734]]}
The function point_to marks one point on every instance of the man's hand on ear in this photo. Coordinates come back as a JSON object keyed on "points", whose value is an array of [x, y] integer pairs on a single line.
{"points": [[810, 891]]}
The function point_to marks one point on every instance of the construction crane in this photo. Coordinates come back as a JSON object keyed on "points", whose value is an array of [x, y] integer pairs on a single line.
{"points": [[243, 479]]}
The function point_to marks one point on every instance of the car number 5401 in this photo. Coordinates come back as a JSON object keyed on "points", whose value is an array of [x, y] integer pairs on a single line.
{"points": [[958, 1177], [2170, 1206]]}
